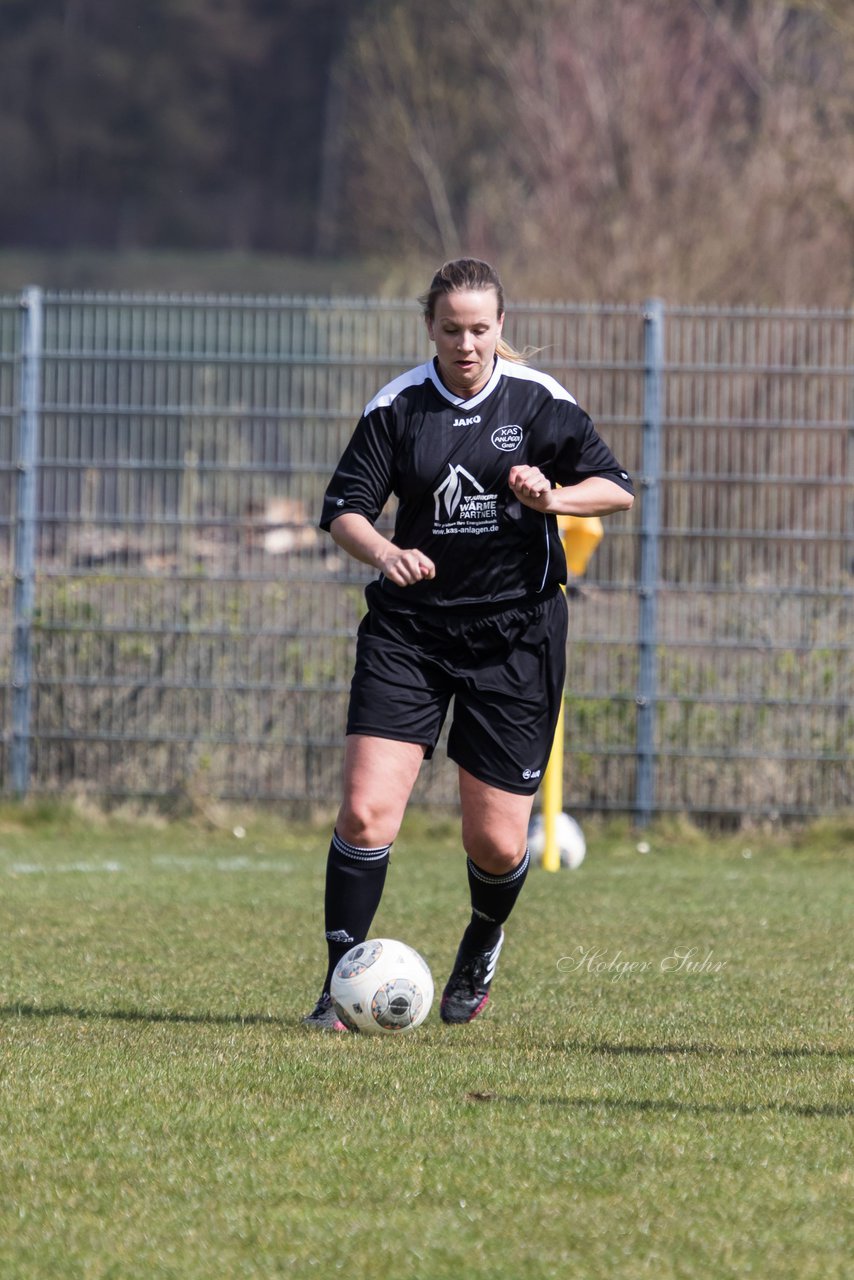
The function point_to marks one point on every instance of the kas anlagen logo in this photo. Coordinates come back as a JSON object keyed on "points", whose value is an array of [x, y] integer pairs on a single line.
{"points": [[462, 506], [507, 438], [451, 489]]}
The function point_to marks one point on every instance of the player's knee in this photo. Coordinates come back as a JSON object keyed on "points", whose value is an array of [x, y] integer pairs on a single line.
{"points": [[496, 855], [366, 824]]}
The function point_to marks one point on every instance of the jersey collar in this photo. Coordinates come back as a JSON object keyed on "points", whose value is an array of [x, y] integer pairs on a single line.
{"points": [[459, 401]]}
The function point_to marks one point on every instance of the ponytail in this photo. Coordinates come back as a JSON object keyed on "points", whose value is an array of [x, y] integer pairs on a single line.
{"points": [[506, 352]]}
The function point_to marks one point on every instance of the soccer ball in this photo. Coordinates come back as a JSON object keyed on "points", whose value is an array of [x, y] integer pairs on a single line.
{"points": [[570, 840], [382, 987]]}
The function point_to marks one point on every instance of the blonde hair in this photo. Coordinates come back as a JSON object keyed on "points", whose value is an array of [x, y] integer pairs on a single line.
{"points": [[473, 274]]}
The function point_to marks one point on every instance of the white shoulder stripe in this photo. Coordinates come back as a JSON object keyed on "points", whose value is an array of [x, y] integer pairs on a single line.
{"points": [[389, 393], [426, 373], [512, 370]]}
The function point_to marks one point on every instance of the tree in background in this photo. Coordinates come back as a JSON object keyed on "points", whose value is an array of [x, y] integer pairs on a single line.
{"points": [[701, 149], [612, 149], [163, 122]]}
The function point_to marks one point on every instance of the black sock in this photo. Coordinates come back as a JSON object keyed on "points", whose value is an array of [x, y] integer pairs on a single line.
{"points": [[354, 886], [492, 900]]}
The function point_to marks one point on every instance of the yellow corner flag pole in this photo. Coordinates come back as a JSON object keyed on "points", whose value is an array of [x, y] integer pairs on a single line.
{"points": [[581, 536], [553, 798]]}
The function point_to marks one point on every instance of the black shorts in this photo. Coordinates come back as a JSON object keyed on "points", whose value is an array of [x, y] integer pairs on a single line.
{"points": [[505, 671]]}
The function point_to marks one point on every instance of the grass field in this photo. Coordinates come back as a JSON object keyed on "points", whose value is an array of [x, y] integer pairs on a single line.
{"points": [[660, 1087]]}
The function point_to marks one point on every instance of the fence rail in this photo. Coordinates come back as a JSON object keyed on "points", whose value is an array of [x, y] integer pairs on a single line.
{"points": [[172, 622]]}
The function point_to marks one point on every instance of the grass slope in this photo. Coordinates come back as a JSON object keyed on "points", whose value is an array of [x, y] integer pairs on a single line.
{"points": [[616, 1112]]}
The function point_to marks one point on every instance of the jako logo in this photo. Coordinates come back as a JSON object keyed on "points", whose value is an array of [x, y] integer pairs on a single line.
{"points": [[531, 773], [507, 438], [466, 422]]}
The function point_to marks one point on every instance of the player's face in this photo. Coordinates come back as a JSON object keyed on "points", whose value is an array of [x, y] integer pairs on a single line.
{"points": [[465, 328]]}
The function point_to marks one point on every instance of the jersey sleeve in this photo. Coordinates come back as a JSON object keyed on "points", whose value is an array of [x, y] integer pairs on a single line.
{"points": [[581, 452], [362, 480]]}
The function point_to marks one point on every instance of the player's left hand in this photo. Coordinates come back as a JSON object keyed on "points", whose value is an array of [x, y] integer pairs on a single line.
{"points": [[531, 487]]}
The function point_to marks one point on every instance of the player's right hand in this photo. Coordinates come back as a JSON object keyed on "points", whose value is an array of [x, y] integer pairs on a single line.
{"points": [[404, 568]]}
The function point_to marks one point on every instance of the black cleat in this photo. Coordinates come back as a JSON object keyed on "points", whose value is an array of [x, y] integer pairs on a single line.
{"points": [[467, 989]]}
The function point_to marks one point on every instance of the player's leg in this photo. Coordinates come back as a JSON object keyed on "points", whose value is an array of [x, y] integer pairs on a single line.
{"points": [[494, 824], [495, 829], [394, 719], [504, 722], [379, 774], [495, 840]]}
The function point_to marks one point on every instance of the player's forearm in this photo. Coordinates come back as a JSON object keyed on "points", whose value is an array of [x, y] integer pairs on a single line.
{"points": [[358, 537], [596, 496]]}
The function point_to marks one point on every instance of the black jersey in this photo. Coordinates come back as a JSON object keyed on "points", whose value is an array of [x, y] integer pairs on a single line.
{"points": [[447, 461]]}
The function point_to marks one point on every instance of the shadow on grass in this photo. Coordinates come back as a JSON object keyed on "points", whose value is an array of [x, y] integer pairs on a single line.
{"points": [[667, 1106], [702, 1049], [140, 1015]]}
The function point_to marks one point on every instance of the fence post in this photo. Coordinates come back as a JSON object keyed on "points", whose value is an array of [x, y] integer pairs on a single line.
{"points": [[650, 483], [25, 536]]}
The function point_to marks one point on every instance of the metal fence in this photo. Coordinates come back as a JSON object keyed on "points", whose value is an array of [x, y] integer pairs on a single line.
{"points": [[173, 625]]}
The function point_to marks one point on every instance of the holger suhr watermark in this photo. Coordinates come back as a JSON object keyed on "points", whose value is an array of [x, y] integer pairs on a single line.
{"points": [[601, 962]]}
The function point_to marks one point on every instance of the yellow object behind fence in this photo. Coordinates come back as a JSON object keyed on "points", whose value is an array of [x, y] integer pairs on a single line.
{"points": [[581, 536]]}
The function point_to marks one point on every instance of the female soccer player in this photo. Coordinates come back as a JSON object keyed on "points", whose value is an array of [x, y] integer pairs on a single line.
{"points": [[467, 605]]}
